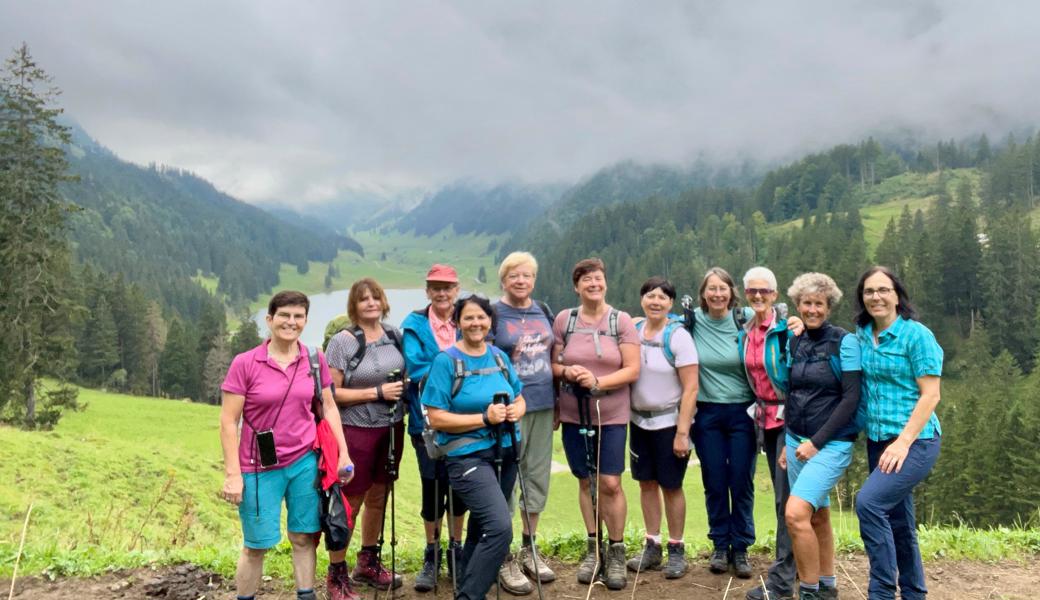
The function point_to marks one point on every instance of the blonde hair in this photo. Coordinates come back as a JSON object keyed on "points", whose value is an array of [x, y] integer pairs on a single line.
{"points": [[514, 260], [814, 283]]}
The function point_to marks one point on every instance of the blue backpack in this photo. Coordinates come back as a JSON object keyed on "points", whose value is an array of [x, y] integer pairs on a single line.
{"points": [[674, 322]]}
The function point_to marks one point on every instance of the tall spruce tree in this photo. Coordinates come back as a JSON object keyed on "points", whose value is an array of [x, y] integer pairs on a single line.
{"points": [[34, 253]]}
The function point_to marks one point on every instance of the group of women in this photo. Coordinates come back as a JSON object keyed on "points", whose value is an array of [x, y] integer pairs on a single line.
{"points": [[488, 383]]}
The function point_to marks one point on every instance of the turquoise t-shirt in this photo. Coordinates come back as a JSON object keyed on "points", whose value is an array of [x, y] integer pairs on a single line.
{"points": [[722, 379], [474, 395]]}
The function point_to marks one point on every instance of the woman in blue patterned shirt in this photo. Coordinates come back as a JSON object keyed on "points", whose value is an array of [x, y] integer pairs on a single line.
{"points": [[902, 364]]}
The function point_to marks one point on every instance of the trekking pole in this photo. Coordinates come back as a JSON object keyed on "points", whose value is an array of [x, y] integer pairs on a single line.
{"points": [[587, 432], [526, 513], [455, 564], [496, 431], [389, 497]]}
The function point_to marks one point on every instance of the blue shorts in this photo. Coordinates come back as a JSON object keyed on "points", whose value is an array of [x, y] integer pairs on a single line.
{"points": [[293, 483], [813, 480], [611, 449]]}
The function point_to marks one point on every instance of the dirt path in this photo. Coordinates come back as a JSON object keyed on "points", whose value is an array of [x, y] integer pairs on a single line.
{"points": [[946, 581]]}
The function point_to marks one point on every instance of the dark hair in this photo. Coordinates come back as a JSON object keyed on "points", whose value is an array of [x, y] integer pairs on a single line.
{"points": [[726, 278], [357, 292], [658, 282], [585, 266], [288, 298], [904, 309], [477, 299]]}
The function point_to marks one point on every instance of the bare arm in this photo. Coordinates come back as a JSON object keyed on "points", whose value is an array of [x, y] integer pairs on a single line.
{"points": [[230, 412], [332, 416], [687, 408]]}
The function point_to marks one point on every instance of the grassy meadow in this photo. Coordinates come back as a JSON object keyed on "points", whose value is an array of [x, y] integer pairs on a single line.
{"points": [[131, 481]]}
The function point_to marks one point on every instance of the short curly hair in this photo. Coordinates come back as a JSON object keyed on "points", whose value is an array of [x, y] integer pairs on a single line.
{"points": [[814, 283]]}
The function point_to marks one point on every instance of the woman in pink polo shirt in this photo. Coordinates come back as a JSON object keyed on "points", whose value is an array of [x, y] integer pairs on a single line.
{"points": [[270, 389]]}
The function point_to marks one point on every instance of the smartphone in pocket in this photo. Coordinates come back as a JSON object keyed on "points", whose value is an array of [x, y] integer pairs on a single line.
{"points": [[265, 446]]}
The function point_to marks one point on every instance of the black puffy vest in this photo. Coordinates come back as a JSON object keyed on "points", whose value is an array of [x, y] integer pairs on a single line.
{"points": [[815, 385]]}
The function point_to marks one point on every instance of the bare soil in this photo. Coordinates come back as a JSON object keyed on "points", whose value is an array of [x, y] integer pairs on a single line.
{"points": [[947, 580]]}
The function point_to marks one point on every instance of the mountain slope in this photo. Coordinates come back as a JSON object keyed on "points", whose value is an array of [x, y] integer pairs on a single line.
{"points": [[479, 208]]}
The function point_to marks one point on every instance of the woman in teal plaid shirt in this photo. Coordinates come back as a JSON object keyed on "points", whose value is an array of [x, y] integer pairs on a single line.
{"points": [[902, 364]]}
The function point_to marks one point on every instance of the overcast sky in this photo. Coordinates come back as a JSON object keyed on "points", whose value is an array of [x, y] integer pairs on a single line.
{"points": [[307, 100]]}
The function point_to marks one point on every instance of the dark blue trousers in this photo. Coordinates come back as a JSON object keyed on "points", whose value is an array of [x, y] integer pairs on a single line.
{"points": [[885, 506], [490, 524], [724, 438], [783, 572]]}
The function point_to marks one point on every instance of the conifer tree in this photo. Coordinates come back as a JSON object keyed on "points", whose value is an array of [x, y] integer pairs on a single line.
{"points": [[34, 255]]}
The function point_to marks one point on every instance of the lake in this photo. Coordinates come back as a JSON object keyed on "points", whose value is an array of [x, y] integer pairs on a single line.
{"points": [[325, 307]]}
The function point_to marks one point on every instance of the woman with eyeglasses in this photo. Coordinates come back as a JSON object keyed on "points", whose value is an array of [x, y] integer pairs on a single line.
{"points": [[902, 366], [763, 350], [523, 330], [472, 398], [596, 357], [270, 462], [820, 418]]}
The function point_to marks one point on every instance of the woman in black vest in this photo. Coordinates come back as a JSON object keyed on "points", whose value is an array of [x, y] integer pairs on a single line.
{"points": [[820, 415]]}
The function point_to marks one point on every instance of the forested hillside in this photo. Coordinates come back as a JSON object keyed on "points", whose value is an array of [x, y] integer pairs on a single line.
{"points": [[477, 208], [971, 261]]}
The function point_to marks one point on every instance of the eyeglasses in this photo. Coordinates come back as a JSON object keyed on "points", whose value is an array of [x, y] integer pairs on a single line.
{"points": [[717, 290], [284, 316], [518, 276], [758, 291], [881, 291]]}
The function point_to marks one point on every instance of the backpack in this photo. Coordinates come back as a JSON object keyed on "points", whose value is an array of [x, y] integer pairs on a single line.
{"points": [[689, 317], [359, 355], [434, 449], [674, 322], [572, 327]]}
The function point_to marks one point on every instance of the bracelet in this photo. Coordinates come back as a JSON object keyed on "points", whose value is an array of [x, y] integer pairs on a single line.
{"points": [[379, 393], [487, 421]]}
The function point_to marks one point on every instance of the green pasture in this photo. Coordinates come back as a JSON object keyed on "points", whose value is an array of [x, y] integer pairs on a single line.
{"points": [[398, 260], [131, 481]]}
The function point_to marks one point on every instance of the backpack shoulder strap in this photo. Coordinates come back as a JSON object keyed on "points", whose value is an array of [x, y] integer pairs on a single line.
{"points": [[315, 366], [612, 324], [666, 341], [572, 323], [359, 354], [545, 311]]}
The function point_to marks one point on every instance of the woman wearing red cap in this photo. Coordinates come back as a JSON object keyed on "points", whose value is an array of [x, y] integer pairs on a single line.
{"points": [[426, 332]]}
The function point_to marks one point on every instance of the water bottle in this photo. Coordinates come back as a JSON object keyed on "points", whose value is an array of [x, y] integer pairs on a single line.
{"points": [[346, 471]]}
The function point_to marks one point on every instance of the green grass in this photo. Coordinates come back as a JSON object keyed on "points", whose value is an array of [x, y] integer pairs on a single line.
{"points": [[131, 481], [407, 258], [208, 282]]}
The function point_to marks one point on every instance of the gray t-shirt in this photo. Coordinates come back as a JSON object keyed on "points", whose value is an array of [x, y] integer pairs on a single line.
{"points": [[526, 336], [381, 357]]}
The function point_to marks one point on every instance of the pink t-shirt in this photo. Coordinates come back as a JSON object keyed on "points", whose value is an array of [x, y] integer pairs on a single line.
{"points": [[263, 383], [754, 361], [443, 331], [581, 350]]}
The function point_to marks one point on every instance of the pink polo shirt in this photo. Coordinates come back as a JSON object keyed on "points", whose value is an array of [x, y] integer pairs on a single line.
{"points": [[263, 383], [754, 361], [443, 331]]}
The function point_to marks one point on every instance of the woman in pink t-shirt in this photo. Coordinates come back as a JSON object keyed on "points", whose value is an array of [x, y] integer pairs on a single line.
{"points": [[596, 357], [270, 389]]}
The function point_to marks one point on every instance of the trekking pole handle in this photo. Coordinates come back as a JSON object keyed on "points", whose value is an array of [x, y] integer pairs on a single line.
{"points": [[500, 398]]}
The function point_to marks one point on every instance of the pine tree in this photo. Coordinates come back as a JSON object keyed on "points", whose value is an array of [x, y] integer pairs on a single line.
{"points": [[246, 336], [213, 371], [34, 255], [100, 344], [155, 336], [180, 364]]}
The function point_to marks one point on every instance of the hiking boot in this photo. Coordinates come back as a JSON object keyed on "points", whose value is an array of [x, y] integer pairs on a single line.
{"points": [[337, 584], [719, 562], [741, 564], [427, 576], [676, 566], [804, 594], [616, 566], [828, 593], [526, 559], [648, 559], [512, 579], [757, 593], [306, 595], [454, 556], [371, 571], [589, 567]]}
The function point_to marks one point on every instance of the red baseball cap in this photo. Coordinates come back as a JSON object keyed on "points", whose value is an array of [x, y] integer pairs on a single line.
{"points": [[444, 273]]}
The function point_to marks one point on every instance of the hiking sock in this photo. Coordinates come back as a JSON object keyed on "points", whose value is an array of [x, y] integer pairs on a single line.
{"points": [[654, 538], [371, 549], [674, 541], [616, 541], [253, 597], [830, 581], [528, 539], [307, 594], [338, 565], [812, 587]]}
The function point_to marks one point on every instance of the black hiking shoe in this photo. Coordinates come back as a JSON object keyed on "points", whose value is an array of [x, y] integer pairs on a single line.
{"points": [[719, 562], [676, 566], [427, 577], [648, 559], [741, 564]]}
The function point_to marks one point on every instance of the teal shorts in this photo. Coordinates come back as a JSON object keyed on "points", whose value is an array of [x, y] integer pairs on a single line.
{"points": [[814, 479], [293, 483]]}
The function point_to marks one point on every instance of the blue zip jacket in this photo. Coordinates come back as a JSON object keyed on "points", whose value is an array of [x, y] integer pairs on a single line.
{"points": [[420, 348], [777, 369]]}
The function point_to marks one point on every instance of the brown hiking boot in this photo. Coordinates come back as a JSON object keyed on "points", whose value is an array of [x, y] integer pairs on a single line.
{"points": [[337, 584], [369, 570]]}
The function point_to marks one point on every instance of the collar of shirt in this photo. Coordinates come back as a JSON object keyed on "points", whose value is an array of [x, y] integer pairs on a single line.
{"points": [[443, 330], [892, 330]]}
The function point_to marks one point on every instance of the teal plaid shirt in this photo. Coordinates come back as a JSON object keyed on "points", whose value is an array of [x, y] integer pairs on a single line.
{"points": [[906, 350]]}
